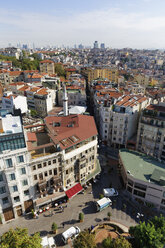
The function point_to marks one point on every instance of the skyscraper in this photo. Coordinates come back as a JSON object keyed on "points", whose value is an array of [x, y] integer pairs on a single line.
{"points": [[102, 46], [96, 45]]}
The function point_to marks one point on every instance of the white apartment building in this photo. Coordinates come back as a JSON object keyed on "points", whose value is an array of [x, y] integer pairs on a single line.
{"points": [[15, 102], [44, 101], [76, 96], [124, 119], [151, 131], [15, 190]]}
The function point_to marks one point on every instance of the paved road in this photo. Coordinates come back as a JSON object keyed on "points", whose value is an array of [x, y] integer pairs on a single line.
{"points": [[80, 203]]}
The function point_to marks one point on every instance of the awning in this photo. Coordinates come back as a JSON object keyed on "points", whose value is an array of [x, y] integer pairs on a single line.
{"points": [[74, 190]]}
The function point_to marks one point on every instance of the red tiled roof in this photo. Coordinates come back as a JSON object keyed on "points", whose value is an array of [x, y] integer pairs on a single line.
{"points": [[31, 136], [18, 83], [73, 129], [24, 88], [15, 73], [156, 107], [47, 61], [43, 91], [74, 190]]}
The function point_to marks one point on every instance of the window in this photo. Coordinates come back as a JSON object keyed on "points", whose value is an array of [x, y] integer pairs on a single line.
{"points": [[49, 162], [34, 167], [12, 176], [54, 161], [2, 190], [25, 182], [139, 193], [20, 159], [5, 200], [39, 166], [46, 174], [16, 199], [1, 178], [15, 188], [23, 171], [50, 172], [66, 172], [55, 171], [9, 163], [35, 177], [44, 164], [26, 192]]}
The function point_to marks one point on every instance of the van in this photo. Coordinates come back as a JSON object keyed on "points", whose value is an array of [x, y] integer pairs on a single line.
{"points": [[72, 232], [103, 203]]}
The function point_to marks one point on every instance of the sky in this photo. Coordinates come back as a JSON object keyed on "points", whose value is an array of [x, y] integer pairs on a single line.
{"points": [[117, 23]]}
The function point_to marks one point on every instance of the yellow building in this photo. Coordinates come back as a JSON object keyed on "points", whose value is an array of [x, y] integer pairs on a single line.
{"points": [[47, 66], [110, 74]]}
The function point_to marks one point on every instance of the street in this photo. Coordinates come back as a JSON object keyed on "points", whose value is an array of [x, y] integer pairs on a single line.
{"points": [[81, 203]]}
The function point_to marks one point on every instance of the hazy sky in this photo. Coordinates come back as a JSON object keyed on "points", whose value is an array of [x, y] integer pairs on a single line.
{"points": [[117, 23]]}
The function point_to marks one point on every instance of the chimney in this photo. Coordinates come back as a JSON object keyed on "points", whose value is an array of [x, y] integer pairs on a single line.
{"points": [[65, 102]]}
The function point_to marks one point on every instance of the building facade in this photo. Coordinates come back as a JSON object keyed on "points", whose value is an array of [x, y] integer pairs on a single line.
{"points": [[143, 178], [151, 131]]}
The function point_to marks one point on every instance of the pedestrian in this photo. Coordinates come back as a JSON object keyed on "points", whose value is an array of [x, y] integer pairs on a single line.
{"points": [[63, 224]]}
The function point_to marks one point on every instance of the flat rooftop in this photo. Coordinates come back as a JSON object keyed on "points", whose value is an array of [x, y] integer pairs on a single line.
{"points": [[143, 167], [10, 125]]}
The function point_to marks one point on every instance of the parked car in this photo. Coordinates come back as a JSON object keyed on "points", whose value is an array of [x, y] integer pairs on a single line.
{"points": [[48, 242], [72, 233], [108, 192]]}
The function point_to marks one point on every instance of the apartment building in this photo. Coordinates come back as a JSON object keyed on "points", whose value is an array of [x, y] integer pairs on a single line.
{"points": [[30, 97], [44, 101], [124, 119], [15, 192], [47, 66], [12, 101], [151, 131], [108, 73], [144, 178], [63, 153], [76, 95]]}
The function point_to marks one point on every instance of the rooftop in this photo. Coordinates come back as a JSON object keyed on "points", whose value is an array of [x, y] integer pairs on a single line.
{"points": [[10, 124], [70, 130], [142, 166]]}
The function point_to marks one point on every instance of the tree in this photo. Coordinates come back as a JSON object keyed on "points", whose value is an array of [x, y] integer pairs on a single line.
{"points": [[19, 238], [85, 240], [101, 196], [33, 112], [148, 235], [60, 70], [109, 215], [121, 243], [81, 217], [54, 227], [107, 243]]}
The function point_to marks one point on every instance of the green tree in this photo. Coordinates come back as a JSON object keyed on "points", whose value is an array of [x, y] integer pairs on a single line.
{"points": [[60, 70], [107, 243], [147, 236], [81, 217], [121, 243], [109, 215], [85, 240], [54, 227], [19, 238]]}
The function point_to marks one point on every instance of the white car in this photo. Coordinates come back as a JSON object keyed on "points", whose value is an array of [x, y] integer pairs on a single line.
{"points": [[108, 192], [48, 242], [72, 233]]}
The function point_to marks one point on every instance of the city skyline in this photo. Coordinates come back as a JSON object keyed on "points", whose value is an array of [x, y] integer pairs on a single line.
{"points": [[138, 24]]}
